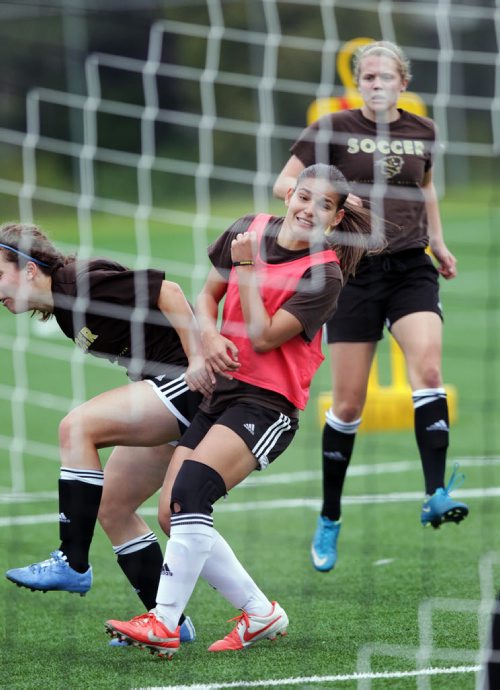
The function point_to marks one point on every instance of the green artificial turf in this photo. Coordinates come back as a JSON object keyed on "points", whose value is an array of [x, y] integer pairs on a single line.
{"points": [[369, 612]]}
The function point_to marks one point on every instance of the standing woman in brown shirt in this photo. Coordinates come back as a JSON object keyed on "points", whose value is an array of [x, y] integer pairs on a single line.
{"points": [[386, 153]]}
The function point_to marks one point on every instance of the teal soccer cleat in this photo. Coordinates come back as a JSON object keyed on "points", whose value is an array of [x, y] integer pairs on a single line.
{"points": [[324, 544], [187, 634], [54, 574], [440, 507]]}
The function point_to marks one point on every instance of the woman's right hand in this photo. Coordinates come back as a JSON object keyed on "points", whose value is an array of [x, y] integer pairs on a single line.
{"points": [[221, 354], [354, 200]]}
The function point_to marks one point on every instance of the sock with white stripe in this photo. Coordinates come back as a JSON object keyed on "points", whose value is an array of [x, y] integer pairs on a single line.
{"points": [[187, 550], [141, 560], [432, 434], [79, 499], [224, 572], [337, 446]]}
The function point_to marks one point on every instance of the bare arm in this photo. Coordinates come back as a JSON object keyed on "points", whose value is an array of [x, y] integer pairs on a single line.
{"points": [[287, 177], [220, 352], [175, 307], [447, 262], [265, 332]]}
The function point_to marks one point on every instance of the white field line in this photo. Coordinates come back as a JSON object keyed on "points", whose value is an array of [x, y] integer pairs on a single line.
{"points": [[277, 504], [289, 478], [276, 682]]}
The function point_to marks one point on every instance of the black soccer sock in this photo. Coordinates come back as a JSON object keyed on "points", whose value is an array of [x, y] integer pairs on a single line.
{"points": [[80, 494], [337, 445], [142, 568], [141, 560], [432, 434]]}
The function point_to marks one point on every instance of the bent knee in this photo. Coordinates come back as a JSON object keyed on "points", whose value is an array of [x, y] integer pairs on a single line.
{"points": [[112, 513], [72, 429], [164, 520], [115, 510], [347, 411], [66, 430], [428, 376]]}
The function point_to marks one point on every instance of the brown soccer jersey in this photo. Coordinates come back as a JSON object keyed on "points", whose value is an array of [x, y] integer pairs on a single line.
{"points": [[111, 311], [385, 165]]}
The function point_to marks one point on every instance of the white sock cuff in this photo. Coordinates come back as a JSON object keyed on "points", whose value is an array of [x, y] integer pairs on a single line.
{"points": [[424, 396], [337, 424], [95, 477], [136, 544], [191, 523]]}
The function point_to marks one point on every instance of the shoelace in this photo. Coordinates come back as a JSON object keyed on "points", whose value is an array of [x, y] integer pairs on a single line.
{"points": [[456, 480], [242, 618], [150, 618], [56, 558], [143, 618]]}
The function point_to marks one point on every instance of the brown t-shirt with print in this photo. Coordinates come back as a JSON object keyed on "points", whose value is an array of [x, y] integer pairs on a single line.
{"points": [[111, 311], [313, 305], [385, 165]]}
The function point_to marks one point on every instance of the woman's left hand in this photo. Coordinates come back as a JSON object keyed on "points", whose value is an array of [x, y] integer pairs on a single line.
{"points": [[198, 378], [447, 262], [244, 247]]}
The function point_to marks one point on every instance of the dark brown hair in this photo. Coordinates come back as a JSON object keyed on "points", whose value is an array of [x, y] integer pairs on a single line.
{"points": [[353, 237], [23, 242]]}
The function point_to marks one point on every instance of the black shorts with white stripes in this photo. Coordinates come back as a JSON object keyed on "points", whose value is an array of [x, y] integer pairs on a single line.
{"points": [[266, 432], [176, 396]]}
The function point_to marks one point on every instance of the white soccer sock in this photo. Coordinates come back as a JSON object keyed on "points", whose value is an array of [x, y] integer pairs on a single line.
{"points": [[187, 550], [223, 571]]}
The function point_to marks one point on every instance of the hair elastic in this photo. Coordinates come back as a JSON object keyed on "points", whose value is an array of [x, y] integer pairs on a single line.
{"points": [[26, 256]]}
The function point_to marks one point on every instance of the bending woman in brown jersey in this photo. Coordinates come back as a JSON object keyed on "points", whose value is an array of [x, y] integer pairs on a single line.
{"points": [[144, 323]]}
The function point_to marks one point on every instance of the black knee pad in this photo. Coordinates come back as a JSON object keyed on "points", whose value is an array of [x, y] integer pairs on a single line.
{"points": [[196, 488]]}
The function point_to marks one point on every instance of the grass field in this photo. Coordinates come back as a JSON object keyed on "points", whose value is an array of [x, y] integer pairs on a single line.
{"points": [[402, 599]]}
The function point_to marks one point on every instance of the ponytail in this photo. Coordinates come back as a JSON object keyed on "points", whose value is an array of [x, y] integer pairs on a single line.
{"points": [[357, 234]]}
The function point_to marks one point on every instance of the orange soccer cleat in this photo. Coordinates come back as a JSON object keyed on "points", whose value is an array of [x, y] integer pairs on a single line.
{"points": [[251, 628], [146, 631]]}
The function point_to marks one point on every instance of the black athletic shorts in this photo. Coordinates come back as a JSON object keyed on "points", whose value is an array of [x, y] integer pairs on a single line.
{"points": [[266, 432], [175, 394], [385, 288]]}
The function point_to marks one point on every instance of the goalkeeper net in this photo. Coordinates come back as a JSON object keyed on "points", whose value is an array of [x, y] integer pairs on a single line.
{"points": [[160, 155]]}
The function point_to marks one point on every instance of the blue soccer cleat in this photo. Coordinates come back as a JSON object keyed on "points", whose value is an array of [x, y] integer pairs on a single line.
{"points": [[440, 507], [54, 574], [187, 634], [324, 544]]}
